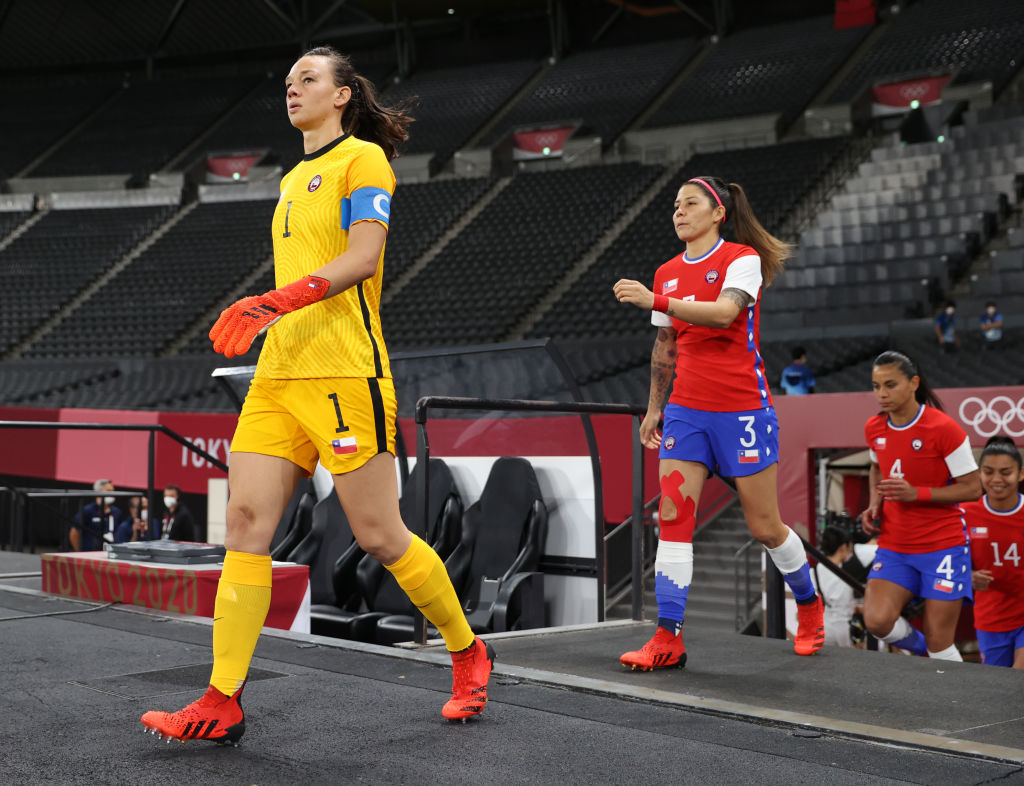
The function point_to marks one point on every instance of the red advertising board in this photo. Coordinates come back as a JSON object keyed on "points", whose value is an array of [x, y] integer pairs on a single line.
{"points": [[896, 97]]}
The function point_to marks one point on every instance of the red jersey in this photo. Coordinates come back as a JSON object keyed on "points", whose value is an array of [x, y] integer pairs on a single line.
{"points": [[997, 545], [928, 451], [717, 369]]}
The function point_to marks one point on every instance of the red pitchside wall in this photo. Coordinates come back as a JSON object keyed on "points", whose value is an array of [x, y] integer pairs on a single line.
{"points": [[807, 423], [836, 420]]}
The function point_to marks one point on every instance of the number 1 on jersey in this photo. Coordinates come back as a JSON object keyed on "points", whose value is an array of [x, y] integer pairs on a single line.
{"points": [[342, 428], [287, 212]]}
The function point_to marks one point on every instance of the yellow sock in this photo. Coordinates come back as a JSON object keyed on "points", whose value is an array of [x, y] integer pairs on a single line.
{"points": [[243, 600], [422, 575]]}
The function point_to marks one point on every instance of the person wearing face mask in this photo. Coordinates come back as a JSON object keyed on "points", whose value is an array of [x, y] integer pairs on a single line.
{"points": [[991, 326], [99, 523], [945, 328], [177, 523]]}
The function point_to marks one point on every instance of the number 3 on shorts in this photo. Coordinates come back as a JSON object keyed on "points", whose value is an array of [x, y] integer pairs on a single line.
{"points": [[748, 426]]}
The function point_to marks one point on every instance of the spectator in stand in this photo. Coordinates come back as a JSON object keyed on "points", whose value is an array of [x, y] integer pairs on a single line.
{"points": [[996, 526], [837, 595], [945, 327], [99, 523], [991, 326], [797, 379], [177, 523]]}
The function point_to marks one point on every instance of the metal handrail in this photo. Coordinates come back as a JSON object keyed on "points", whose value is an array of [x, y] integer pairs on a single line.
{"points": [[17, 537], [742, 603], [583, 408]]}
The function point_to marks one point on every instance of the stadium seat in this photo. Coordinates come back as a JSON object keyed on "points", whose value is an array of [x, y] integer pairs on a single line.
{"points": [[370, 589], [503, 536]]}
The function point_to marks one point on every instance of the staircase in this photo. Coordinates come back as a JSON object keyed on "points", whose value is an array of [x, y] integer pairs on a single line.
{"points": [[711, 602]]}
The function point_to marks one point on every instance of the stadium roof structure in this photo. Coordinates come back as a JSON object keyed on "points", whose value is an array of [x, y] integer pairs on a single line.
{"points": [[55, 35]]}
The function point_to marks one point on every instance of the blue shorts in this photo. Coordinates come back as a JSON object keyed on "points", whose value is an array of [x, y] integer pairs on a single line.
{"points": [[731, 444], [941, 575], [998, 649]]}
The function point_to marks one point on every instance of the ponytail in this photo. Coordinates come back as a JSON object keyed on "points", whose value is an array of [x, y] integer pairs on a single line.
{"points": [[924, 394], [773, 252], [366, 118], [749, 231]]}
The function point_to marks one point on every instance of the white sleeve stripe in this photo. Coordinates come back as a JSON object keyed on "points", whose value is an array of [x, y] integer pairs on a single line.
{"points": [[961, 461], [873, 456], [660, 319], [744, 273]]}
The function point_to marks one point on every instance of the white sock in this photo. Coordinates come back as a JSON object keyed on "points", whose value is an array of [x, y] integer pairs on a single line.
{"points": [[675, 561], [899, 631], [790, 556], [950, 653]]}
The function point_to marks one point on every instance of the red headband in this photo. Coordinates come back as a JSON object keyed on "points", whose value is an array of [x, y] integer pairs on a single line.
{"points": [[714, 193]]}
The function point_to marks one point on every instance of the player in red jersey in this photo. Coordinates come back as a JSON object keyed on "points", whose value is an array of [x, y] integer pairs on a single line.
{"points": [[921, 467], [719, 417], [996, 526]]}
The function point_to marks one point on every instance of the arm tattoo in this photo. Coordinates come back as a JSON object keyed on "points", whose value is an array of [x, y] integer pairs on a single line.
{"points": [[737, 296], [663, 366]]}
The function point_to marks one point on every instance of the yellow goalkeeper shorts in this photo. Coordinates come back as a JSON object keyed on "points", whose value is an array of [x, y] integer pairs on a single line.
{"points": [[343, 422]]}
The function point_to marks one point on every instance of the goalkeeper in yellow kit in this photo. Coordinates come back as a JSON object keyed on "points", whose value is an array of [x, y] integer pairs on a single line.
{"points": [[322, 391]]}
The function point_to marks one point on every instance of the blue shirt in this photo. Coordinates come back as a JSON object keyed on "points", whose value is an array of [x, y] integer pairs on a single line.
{"points": [[946, 323], [797, 380], [991, 334], [98, 527]]}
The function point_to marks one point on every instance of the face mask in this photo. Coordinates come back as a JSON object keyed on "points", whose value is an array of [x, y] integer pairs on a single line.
{"points": [[950, 310], [108, 500], [170, 502], [144, 515], [991, 310]]}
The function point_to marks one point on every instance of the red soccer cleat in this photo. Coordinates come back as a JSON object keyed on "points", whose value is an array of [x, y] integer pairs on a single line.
{"points": [[661, 652], [213, 717], [471, 668], [810, 632]]}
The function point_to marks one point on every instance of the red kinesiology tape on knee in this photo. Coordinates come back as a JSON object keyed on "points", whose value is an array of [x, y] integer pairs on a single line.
{"points": [[678, 527]]}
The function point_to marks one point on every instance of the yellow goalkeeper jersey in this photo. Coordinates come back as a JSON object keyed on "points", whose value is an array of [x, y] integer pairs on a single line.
{"points": [[346, 181]]}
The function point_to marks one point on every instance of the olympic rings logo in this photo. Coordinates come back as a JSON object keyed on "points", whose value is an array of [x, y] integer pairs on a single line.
{"points": [[989, 418], [915, 90]]}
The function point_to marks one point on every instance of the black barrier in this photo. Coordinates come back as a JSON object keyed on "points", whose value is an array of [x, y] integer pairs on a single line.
{"points": [[424, 404], [152, 428], [775, 591]]}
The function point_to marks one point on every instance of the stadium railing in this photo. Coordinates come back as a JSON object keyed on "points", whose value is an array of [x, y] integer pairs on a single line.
{"points": [[17, 523], [426, 403]]}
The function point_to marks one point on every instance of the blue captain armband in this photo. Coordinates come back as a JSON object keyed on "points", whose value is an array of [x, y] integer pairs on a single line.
{"points": [[366, 203]]}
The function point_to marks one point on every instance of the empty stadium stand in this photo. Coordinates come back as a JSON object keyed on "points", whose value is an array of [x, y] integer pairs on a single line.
{"points": [[450, 104], [761, 70], [65, 250], [602, 89], [127, 291], [144, 127], [34, 121], [519, 246], [977, 41], [163, 290]]}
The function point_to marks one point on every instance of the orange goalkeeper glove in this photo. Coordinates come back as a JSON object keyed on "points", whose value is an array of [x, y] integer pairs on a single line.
{"points": [[236, 327]]}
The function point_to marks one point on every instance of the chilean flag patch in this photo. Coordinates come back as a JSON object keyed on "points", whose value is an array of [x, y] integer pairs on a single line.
{"points": [[748, 456], [344, 445], [979, 532], [669, 286], [943, 585]]}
